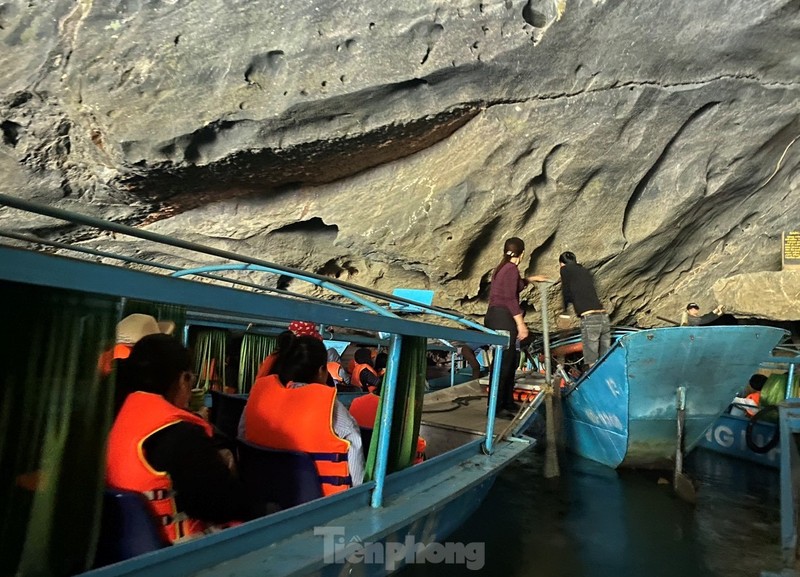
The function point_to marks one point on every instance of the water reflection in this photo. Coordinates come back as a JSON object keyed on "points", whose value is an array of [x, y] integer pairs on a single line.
{"points": [[596, 522]]}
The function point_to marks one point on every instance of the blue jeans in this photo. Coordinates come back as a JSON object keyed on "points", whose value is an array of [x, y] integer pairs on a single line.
{"points": [[596, 336]]}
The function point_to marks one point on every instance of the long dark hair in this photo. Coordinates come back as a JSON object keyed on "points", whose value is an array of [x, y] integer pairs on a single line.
{"points": [[513, 247], [299, 358]]}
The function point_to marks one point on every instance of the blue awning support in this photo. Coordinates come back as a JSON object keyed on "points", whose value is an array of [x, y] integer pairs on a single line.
{"points": [[387, 393], [304, 277], [488, 443]]}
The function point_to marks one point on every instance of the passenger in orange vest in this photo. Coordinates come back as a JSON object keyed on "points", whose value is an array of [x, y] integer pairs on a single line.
{"points": [[297, 328], [336, 371], [364, 374], [365, 409], [160, 449], [295, 410], [751, 403]]}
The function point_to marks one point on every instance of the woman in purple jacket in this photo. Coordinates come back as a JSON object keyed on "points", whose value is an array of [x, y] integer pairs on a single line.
{"points": [[504, 313]]}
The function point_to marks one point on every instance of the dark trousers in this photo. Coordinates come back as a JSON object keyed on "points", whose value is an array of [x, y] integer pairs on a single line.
{"points": [[501, 318]]}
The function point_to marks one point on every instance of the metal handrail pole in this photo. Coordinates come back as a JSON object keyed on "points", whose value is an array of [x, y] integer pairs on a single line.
{"points": [[388, 390], [488, 443]]}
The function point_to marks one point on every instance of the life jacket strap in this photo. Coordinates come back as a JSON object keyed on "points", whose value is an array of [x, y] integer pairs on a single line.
{"points": [[170, 519], [158, 494], [329, 457], [336, 480]]}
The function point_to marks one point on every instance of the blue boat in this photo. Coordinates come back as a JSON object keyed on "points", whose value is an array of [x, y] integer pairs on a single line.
{"points": [[623, 411], [398, 518], [728, 436]]}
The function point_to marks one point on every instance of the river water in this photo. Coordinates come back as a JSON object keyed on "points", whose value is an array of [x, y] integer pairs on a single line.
{"points": [[595, 522]]}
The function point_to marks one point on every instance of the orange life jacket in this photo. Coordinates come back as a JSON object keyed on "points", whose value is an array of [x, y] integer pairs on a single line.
{"points": [[364, 409], [266, 366], [299, 419], [420, 454], [334, 369], [756, 398], [141, 415], [355, 376]]}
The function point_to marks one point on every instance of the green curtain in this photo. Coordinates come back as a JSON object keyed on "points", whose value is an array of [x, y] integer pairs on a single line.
{"points": [[407, 413], [255, 348], [210, 351], [55, 414]]}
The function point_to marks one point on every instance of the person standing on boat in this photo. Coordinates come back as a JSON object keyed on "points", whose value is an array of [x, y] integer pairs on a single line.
{"points": [[577, 288], [505, 313]]}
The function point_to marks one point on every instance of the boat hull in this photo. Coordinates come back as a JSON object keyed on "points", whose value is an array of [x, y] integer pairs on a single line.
{"points": [[422, 505], [727, 436], [623, 411]]}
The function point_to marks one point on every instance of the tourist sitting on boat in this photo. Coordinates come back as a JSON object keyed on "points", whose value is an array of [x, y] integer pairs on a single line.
{"points": [[130, 331], [161, 450], [749, 404], [365, 409], [293, 409], [297, 328], [364, 374], [335, 369], [693, 318]]}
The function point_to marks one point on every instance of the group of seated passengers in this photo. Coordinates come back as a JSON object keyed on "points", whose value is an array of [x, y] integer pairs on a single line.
{"points": [[157, 447]]}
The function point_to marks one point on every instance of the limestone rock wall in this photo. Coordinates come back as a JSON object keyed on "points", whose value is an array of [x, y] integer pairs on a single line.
{"points": [[399, 145]]}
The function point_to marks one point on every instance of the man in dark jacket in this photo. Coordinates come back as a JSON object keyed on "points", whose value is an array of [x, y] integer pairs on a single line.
{"points": [[577, 287], [694, 318]]}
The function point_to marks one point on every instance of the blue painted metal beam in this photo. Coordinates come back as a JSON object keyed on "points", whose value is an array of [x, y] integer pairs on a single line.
{"points": [[77, 218], [62, 272], [323, 284]]}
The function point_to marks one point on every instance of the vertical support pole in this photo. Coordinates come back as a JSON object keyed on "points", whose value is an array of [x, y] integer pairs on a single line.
{"points": [[786, 414], [790, 382], [548, 368], [488, 443], [388, 390], [453, 367], [551, 468]]}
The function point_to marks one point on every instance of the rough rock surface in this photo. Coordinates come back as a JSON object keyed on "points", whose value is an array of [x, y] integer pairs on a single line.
{"points": [[398, 144], [765, 295]]}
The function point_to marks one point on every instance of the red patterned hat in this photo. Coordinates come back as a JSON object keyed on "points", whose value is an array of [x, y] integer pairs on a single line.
{"points": [[304, 328]]}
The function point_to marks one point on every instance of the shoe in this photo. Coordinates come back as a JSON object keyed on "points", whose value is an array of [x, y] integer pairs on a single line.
{"points": [[506, 414]]}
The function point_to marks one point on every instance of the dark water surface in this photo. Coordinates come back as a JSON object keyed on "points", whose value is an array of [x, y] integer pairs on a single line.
{"points": [[596, 522]]}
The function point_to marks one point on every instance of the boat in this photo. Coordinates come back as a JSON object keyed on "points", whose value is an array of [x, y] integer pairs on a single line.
{"points": [[756, 438], [623, 411], [399, 517], [728, 436]]}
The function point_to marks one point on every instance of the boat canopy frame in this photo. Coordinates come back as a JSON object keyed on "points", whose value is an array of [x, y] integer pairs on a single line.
{"points": [[37, 268]]}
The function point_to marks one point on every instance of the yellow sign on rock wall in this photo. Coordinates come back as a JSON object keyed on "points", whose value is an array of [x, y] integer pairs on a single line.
{"points": [[790, 252]]}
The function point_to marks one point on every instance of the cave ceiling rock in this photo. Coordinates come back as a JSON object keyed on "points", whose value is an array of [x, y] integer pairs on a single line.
{"points": [[653, 139]]}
